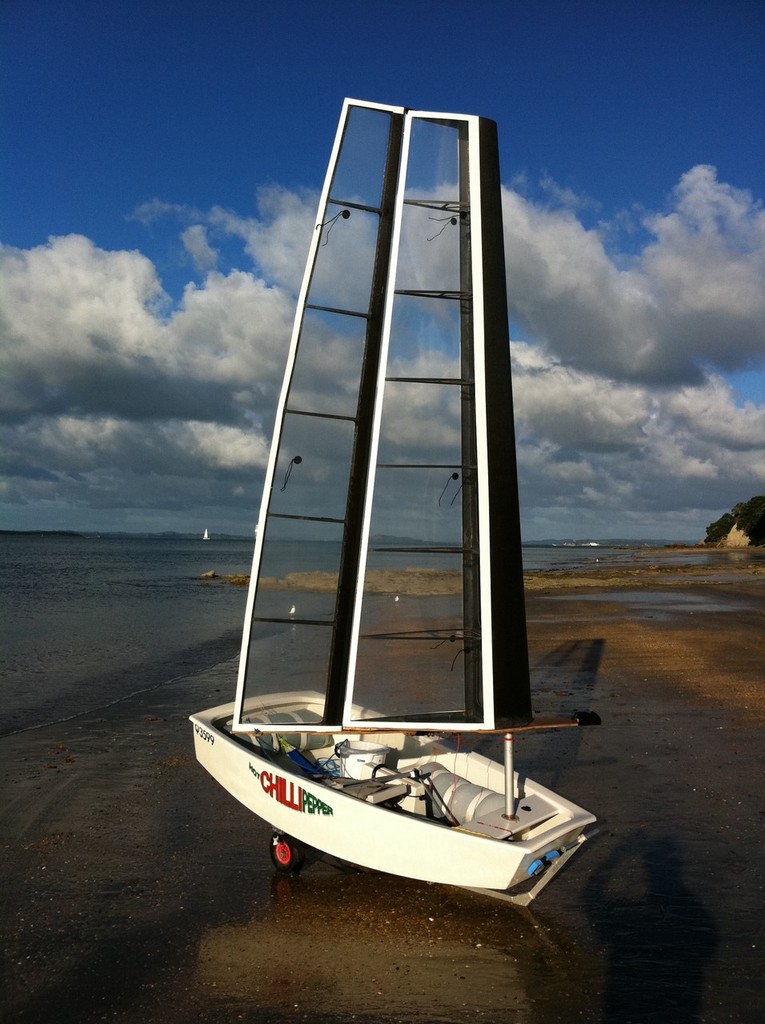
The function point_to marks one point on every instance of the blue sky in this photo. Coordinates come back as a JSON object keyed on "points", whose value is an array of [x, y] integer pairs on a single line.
{"points": [[159, 168]]}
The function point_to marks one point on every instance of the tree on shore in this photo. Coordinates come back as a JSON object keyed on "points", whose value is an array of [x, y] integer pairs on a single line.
{"points": [[747, 516]]}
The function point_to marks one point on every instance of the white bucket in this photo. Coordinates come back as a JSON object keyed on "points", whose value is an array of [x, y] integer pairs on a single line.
{"points": [[358, 758]]}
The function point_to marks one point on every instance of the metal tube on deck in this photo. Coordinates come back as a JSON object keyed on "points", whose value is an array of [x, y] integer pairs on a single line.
{"points": [[509, 778]]}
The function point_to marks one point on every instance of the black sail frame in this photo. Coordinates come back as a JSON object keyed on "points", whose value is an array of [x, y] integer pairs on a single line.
{"points": [[493, 657]]}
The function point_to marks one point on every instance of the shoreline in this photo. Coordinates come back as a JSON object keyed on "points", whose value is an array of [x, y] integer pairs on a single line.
{"points": [[609, 576], [419, 582]]}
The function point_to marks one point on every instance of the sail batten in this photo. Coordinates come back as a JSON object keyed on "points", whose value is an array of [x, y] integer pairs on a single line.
{"points": [[453, 381], [353, 206], [442, 206], [306, 519], [340, 312], [322, 415], [433, 293]]}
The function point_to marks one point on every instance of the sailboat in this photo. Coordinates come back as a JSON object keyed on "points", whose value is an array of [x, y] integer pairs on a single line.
{"points": [[205, 535], [385, 627]]}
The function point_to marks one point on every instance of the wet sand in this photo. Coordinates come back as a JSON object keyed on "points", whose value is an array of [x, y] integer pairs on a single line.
{"points": [[134, 889]]}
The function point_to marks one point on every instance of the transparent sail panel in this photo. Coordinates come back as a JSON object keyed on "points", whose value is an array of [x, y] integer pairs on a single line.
{"points": [[433, 164], [312, 474], [429, 257], [282, 665], [294, 611], [305, 546], [308, 587], [419, 640], [425, 338], [431, 497], [326, 378], [342, 275], [358, 176]]}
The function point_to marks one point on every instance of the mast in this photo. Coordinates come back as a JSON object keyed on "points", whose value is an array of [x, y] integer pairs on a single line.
{"points": [[352, 539], [512, 692]]}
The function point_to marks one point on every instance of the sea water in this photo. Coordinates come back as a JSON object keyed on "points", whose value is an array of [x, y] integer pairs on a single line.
{"points": [[86, 621]]}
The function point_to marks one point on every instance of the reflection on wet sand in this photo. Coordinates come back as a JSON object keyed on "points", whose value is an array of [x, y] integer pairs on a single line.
{"points": [[357, 943]]}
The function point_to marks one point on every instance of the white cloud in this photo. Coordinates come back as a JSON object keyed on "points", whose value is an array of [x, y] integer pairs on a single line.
{"points": [[277, 240], [113, 397], [570, 407], [110, 398], [692, 300], [195, 242], [227, 448], [592, 444], [712, 416], [567, 197], [88, 330]]}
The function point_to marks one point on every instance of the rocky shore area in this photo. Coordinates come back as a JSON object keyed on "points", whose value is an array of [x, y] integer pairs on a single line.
{"points": [[645, 573], [642, 567]]}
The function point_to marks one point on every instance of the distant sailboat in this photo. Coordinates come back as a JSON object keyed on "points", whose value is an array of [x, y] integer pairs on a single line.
{"points": [[205, 535]]}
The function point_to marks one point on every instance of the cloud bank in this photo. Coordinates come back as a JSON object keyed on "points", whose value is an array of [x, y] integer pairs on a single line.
{"points": [[122, 408]]}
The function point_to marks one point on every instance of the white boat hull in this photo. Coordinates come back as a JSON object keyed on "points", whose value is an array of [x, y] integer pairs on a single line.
{"points": [[396, 836]]}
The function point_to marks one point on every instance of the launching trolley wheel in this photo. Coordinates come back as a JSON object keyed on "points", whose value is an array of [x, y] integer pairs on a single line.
{"points": [[286, 854]]}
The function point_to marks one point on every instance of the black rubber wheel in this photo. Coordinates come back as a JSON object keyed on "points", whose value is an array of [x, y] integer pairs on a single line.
{"points": [[286, 854]]}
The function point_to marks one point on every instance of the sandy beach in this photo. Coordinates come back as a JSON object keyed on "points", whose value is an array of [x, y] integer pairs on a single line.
{"points": [[134, 889]]}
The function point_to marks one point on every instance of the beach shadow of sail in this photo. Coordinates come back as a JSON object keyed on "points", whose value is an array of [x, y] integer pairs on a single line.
{"points": [[657, 934], [570, 670], [563, 681]]}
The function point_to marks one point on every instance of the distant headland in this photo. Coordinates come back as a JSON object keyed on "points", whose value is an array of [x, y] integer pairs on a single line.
{"points": [[742, 527]]}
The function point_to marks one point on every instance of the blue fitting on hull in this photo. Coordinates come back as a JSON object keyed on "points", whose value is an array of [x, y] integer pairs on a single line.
{"points": [[541, 863]]}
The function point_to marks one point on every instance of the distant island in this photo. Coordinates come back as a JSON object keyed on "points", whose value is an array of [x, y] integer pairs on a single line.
{"points": [[40, 533], [120, 534], [742, 527]]}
